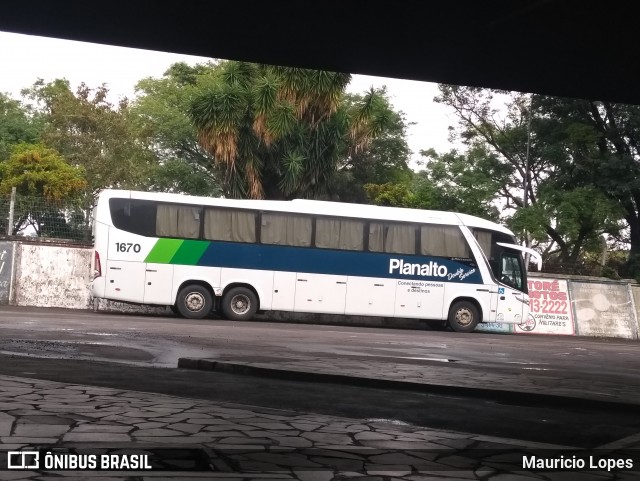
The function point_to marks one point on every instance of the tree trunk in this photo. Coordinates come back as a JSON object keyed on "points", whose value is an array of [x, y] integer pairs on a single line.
{"points": [[634, 254]]}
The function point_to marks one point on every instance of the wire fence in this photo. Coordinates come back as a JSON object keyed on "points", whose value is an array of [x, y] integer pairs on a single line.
{"points": [[38, 217]]}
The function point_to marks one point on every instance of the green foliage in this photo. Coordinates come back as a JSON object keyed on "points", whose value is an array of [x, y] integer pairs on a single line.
{"points": [[161, 113], [36, 170], [48, 191], [455, 182], [280, 132], [391, 194], [604, 154], [90, 132], [566, 212], [533, 220], [422, 192], [16, 126], [465, 183], [384, 160], [177, 175]]}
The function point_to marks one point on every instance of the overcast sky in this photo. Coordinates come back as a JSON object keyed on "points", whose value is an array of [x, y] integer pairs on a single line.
{"points": [[24, 59]]}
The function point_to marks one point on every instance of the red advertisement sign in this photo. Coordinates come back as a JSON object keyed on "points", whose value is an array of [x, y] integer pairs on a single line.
{"points": [[550, 308]]}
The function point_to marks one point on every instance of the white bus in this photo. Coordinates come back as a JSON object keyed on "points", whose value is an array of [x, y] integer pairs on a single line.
{"points": [[239, 257]]}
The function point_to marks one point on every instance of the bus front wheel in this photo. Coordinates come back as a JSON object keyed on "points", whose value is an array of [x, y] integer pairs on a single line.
{"points": [[239, 304], [194, 301], [463, 316]]}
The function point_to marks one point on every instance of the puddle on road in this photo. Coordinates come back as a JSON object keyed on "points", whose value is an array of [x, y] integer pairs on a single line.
{"points": [[387, 421], [158, 355], [72, 349], [429, 359]]}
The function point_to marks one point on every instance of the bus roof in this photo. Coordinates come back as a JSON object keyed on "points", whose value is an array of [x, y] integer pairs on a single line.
{"points": [[319, 207]]}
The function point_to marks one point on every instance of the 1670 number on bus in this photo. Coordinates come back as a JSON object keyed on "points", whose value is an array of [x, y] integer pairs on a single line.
{"points": [[127, 247]]}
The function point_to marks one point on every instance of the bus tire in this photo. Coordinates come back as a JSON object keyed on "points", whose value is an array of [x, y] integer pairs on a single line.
{"points": [[239, 304], [463, 316], [175, 310], [194, 301]]}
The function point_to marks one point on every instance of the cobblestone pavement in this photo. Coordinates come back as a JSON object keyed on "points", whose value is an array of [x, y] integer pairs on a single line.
{"points": [[245, 442]]}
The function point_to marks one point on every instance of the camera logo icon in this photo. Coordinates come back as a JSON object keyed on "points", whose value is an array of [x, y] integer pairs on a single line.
{"points": [[23, 459]]}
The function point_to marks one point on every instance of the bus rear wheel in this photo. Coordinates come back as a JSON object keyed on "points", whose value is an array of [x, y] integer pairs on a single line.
{"points": [[239, 304], [463, 316], [194, 301]]}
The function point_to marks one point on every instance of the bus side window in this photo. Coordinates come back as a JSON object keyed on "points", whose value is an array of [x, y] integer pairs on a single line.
{"points": [[392, 237], [179, 221], [484, 239], [135, 216], [443, 241], [288, 230], [232, 225], [344, 234]]}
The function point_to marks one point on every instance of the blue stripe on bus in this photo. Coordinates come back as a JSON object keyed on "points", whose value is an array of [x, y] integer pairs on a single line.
{"points": [[336, 262]]}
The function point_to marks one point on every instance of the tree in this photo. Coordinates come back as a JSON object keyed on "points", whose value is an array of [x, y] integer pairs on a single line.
{"points": [[161, 111], [16, 126], [48, 186], [384, 160], [461, 182], [556, 212], [179, 176], [605, 156], [392, 194], [90, 132], [279, 132]]}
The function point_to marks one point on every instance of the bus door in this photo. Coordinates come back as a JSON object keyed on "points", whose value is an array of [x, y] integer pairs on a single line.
{"points": [[509, 300]]}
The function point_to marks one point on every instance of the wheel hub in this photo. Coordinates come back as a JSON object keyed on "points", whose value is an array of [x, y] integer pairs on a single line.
{"points": [[464, 317], [240, 304], [194, 301]]}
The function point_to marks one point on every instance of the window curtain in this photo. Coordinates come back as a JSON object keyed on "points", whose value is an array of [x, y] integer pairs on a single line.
{"points": [[484, 239], [443, 241], [339, 234], [177, 221], [286, 230], [229, 225], [395, 238]]}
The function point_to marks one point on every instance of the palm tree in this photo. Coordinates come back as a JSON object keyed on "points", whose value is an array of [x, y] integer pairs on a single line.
{"points": [[279, 132]]}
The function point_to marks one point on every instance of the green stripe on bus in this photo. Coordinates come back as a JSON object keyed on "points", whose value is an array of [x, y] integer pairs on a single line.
{"points": [[190, 252], [164, 250]]}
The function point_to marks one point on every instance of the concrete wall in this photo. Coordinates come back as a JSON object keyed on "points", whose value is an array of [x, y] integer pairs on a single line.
{"points": [[604, 309], [59, 275], [51, 276]]}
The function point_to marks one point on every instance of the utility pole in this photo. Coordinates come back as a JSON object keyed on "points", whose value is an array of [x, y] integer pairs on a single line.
{"points": [[12, 206], [525, 200]]}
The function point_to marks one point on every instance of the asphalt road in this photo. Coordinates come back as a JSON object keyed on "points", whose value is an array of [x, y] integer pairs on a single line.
{"points": [[90, 348], [160, 341]]}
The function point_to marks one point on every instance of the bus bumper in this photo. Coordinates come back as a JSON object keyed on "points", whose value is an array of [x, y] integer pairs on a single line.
{"points": [[97, 287]]}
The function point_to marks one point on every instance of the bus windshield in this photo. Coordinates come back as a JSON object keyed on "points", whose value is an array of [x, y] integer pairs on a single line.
{"points": [[506, 264]]}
